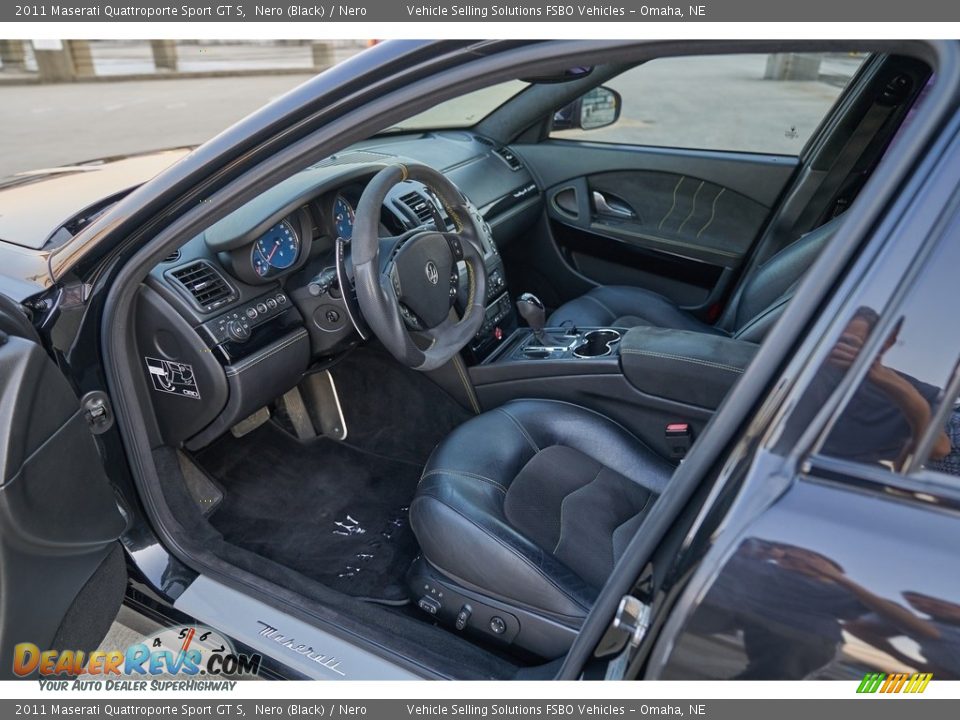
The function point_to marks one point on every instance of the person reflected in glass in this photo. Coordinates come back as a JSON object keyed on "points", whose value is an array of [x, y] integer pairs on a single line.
{"points": [[791, 605], [950, 464], [889, 412], [937, 637]]}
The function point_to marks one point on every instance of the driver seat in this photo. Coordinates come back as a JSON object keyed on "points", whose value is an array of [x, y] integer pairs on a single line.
{"points": [[521, 514]]}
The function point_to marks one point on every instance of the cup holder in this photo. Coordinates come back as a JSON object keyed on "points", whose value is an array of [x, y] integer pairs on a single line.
{"points": [[597, 343]]}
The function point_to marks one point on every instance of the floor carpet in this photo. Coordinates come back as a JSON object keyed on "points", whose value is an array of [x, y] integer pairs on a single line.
{"points": [[332, 512]]}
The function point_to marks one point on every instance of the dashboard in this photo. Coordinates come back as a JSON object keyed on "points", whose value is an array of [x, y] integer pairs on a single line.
{"points": [[249, 304]]}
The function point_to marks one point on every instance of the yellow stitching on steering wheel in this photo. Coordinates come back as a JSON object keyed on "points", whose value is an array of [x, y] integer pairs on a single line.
{"points": [[450, 211], [470, 293]]}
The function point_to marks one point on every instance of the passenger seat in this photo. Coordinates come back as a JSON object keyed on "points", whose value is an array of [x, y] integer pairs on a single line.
{"points": [[757, 303]]}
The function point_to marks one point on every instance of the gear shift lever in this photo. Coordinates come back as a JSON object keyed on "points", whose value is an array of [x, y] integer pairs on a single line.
{"points": [[532, 310]]}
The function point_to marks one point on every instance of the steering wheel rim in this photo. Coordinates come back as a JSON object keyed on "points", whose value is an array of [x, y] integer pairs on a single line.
{"points": [[394, 274]]}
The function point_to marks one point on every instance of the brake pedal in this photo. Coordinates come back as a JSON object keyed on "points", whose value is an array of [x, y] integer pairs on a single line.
{"points": [[298, 414]]}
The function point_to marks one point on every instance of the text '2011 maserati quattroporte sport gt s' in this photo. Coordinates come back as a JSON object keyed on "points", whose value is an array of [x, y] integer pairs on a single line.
{"points": [[566, 359]]}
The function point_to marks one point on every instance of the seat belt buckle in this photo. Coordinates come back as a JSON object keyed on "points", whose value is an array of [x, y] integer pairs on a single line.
{"points": [[679, 439]]}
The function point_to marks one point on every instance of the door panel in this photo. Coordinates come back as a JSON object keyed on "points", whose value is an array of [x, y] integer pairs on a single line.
{"points": [[62, 574], [677, 222], [596, 254]]}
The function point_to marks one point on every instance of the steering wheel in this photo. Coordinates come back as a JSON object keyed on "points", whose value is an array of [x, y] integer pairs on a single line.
{"points": [[408, 283]]}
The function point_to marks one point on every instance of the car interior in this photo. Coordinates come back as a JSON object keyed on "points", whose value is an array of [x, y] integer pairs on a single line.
{"points": [[433, 384]]}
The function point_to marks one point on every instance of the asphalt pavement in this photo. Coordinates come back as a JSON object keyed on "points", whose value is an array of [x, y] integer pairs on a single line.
{"points": [[48, 125]]}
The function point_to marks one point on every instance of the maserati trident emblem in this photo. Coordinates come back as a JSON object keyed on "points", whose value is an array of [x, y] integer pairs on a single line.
{"points": [[433, 274]]}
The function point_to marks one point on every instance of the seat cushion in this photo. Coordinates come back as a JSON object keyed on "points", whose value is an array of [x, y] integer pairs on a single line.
{"points": [[573, 505], [624, 306], [532, 504]]}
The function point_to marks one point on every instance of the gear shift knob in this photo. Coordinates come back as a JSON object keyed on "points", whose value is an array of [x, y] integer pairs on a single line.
{"points": [[532, 310]]}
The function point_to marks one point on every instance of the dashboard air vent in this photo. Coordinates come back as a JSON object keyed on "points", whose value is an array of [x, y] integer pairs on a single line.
{"points": [[172, 257], [509, 158], [420, 207], [205, 285]]}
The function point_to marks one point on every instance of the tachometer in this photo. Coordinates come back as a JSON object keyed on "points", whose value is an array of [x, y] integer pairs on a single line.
{"points": [[343, 217], [277, 249]]}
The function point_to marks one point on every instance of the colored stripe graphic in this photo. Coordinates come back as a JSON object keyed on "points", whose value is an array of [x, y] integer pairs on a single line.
{"points": [[896, 683], [871, 682]]}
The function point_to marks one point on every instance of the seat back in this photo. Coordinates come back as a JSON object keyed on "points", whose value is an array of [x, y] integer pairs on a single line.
{"points": [[767, 289]]}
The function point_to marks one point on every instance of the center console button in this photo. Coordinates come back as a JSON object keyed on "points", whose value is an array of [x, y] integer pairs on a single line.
{"points": [[272, 304], [261, 308]]}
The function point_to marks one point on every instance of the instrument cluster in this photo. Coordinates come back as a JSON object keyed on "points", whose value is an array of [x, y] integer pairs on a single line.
{"points": [[287, 243]]}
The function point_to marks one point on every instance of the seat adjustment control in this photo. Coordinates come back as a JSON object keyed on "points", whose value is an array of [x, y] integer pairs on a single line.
{"points": [[463, 617], [429, 604]]}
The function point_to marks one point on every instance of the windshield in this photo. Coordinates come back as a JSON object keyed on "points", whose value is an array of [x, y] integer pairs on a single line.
{"points": [[464, 110]]}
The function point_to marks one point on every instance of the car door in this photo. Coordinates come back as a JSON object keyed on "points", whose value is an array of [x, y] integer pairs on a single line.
{"points": [[672, 196], [62, 571], [830, 562]]}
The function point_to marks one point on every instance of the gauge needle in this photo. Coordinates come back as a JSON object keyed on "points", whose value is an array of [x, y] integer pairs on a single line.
{"points": [[186, 642], [274, 251]]}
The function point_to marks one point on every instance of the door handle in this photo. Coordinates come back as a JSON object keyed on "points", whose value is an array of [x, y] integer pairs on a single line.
{"points": [[611, 206]]}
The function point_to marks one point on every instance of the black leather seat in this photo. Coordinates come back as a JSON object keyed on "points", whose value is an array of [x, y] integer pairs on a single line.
{"points": [[524, 510], [756, 305]]}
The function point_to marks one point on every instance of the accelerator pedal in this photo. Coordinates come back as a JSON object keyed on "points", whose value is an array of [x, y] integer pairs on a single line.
{"points": [[298, 415]]}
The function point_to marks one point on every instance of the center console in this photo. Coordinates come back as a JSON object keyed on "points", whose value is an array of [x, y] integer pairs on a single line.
{"points": [[500, 318], [650, 380], [561, 344]]}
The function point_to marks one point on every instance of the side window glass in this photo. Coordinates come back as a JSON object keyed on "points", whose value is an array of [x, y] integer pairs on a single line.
{"points": [[743, 103], [906, 403]]}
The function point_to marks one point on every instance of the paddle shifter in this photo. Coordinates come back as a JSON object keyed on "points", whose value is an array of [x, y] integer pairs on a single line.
{"points": [[532, 310]]}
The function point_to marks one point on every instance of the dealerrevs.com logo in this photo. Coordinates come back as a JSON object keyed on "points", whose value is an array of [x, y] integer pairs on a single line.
{"points": [[178, 658]]}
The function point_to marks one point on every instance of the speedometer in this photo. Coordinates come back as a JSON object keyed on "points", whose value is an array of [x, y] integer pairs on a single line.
{"points": [[277, 249], [343, 217]]}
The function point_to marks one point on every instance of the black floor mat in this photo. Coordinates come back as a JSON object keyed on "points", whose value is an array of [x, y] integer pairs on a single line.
{"points": [[391, 409], [331, 512]]}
